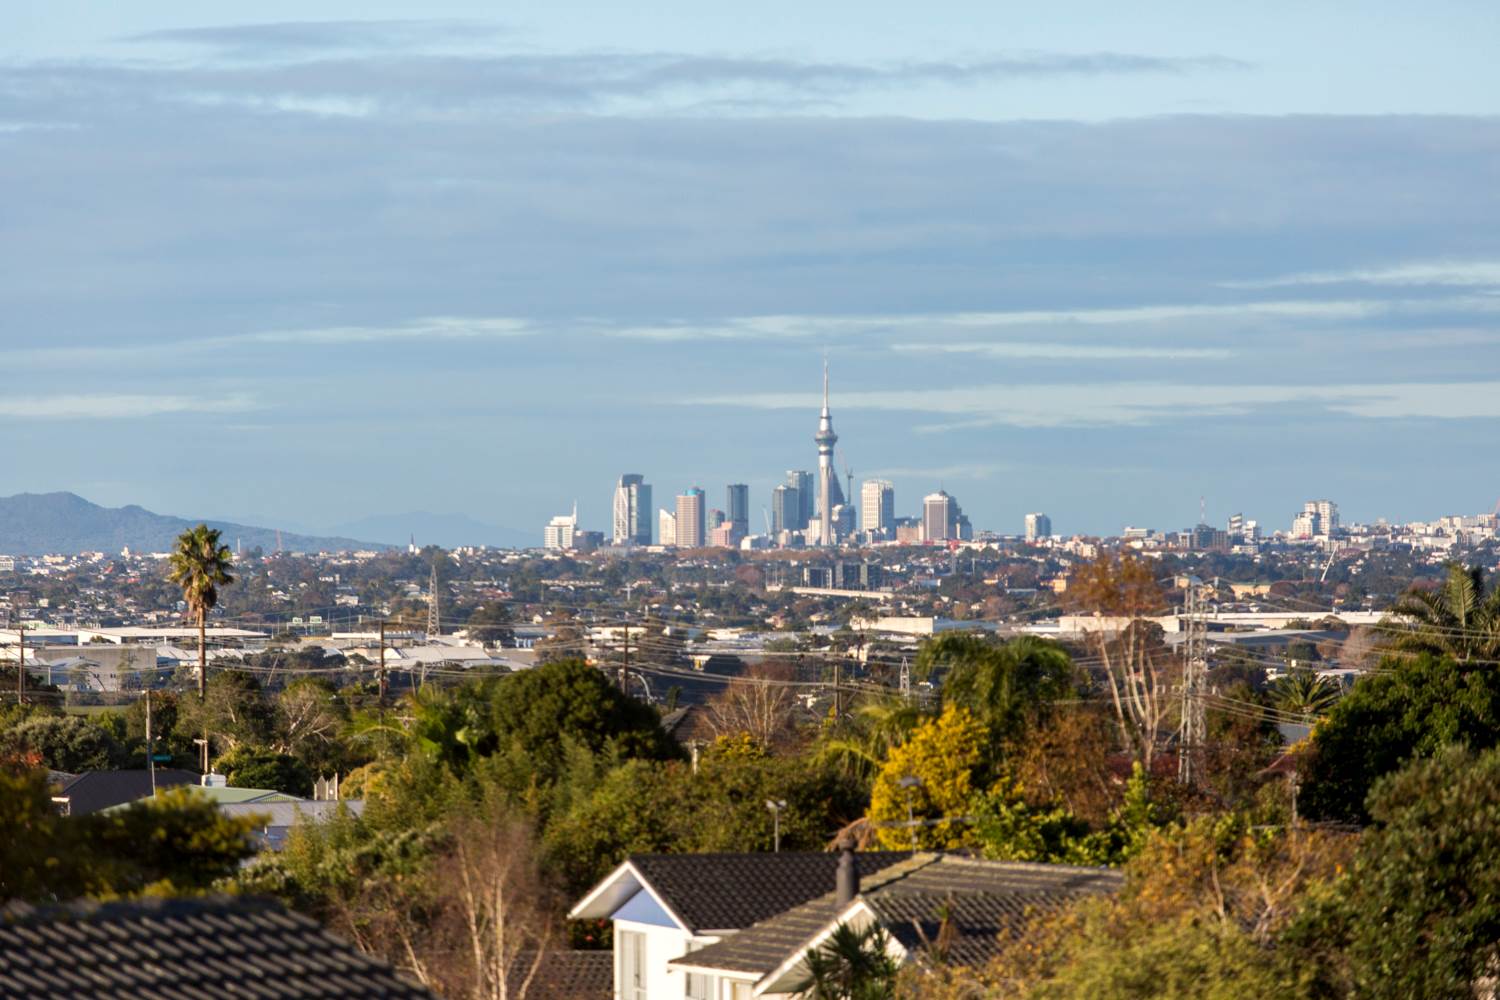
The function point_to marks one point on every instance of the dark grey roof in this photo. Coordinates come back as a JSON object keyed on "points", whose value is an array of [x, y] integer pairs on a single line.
{"points": [[983, 899], [181, 948], [96, 790], [730, 891], [570, 975]]}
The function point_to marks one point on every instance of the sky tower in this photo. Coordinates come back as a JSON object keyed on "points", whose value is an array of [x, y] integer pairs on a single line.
{"points": [[827, 482]]}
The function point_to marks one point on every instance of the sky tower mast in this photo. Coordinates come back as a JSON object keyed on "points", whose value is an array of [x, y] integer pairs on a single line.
{"points": [[825, 440]]}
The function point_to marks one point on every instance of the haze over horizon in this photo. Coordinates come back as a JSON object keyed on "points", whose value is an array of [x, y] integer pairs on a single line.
{"points": [[330, 264]]}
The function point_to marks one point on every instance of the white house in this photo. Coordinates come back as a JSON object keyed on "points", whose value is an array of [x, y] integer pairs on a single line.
{"points": [[666, 906]]}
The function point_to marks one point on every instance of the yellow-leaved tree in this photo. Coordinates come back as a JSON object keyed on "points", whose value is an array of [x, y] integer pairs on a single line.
{"points": [[930, 781]]}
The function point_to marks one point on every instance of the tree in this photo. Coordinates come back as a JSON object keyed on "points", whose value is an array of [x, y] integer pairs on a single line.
{"points": [[1411, 707], [200, 565], [263, 767], [233, 708], [1008, 687], [1458, 619], [758, 703], [310, 720], [851, 965], [1123, 592], [176, 842], [1304, 694], [860, 742], [535, 709], [69, 743], [930, 778], [1424, 892]]}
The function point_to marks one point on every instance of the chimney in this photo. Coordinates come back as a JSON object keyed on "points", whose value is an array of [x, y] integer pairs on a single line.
{"points": [[848, 875]]}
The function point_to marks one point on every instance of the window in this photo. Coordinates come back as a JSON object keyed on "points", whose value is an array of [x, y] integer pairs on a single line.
{"points": [[632, 947], [699, 986]]}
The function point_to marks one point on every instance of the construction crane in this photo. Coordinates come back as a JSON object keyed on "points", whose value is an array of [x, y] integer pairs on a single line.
{"points": [[767, 515]]}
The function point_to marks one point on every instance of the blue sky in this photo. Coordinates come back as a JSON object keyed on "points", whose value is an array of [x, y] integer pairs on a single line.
{"points": [[309, 262]]}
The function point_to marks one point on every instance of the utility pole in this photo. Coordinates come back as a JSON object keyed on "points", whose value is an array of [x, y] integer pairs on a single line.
{"points": [[382, 664], [150, 749], [625, 670]]}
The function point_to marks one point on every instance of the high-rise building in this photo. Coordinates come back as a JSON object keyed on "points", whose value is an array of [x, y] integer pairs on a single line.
{"points": [[690, 519], [829, 493], [738, 506], [632, 520], [1319, 519], [666, 527], [936, 516], [786, 508], [559, 532], [802, 482], [1038, 526], [877, 509]]}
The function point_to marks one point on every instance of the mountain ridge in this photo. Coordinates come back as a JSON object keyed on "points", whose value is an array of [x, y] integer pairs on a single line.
{"points": [[33, 524]]}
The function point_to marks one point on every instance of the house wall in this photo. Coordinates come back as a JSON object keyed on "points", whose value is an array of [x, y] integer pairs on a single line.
{"points": [[662, 945]]}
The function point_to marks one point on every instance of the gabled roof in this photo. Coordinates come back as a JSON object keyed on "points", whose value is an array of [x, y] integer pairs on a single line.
{"points": [[171, 948], [721, 892], [95, 790], [569, 975], [981, 899]]}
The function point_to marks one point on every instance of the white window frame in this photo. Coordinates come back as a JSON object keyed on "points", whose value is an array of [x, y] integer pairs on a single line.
{"points": [[631, 946]]}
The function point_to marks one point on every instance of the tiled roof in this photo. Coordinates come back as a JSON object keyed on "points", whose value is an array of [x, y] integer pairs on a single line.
{"points": [[95, 790], [730, 891], [982, 898], [571, 975], [183, 948]]}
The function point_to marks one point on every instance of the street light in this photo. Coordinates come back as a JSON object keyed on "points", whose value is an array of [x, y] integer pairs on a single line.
{"points": [[776, 805], [909, 782]]}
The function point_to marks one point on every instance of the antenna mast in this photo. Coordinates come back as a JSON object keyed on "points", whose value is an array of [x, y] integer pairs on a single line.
{"points": [[433, 628]]}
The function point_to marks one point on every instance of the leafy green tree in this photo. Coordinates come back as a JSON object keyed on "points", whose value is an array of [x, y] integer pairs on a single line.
{"points": [[1009, 828], [310, 722], [68, 743], [1411, 707], [262, 767], [1304, 694], [860, 742], [1007, 686], [176, 842], [200, 564], [535, 709], [853, 964], [1424, 894], [1459, 619]]}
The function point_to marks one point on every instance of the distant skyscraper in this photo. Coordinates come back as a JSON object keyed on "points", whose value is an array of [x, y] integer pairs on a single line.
{"points": [[632, 521], [807, 497], [1319, 519], [786, 508], [877, 513], [936, 515], [666, 527], [829, 494], [738, 506], [1038, 526], [690, 519]]}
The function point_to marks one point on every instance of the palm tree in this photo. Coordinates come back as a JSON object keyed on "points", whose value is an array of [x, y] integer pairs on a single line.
{"points": [[864, 739], [1005, 685], [1304, 694], [200, 566], [1457, 619], [851, 965]]}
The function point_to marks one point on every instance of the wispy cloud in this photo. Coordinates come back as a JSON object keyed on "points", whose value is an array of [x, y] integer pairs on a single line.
{"points": [[118, 406], [1455, 273], [1070, 352], [1135, 403], [288, 38]]}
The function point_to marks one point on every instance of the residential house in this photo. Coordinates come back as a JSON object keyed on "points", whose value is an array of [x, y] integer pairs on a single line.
{"points": [[664, 906], [924, 902]]}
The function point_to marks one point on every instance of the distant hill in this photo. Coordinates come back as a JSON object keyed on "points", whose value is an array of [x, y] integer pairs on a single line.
{"points": [[39, 523], [447, 530]]}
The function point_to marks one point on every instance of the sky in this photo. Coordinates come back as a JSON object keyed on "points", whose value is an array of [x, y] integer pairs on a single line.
{"points": [[300, 264]]}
